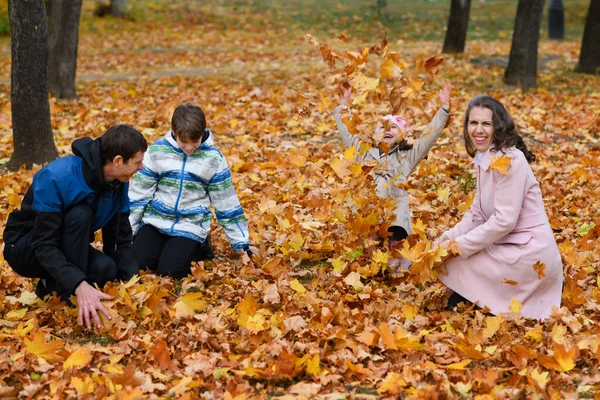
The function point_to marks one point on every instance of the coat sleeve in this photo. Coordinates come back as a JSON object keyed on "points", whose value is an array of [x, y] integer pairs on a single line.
{"points": [[428, 138], [227, 207], [509, 191], [471, 220], [348, 138], [46, 234], [141, 191]]}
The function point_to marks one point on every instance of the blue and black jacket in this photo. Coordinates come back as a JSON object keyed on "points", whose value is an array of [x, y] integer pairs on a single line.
{"points": [[55, 188]]}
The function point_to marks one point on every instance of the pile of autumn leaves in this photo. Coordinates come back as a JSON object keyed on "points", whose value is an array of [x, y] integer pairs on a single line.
{"points": [[316, 312]]}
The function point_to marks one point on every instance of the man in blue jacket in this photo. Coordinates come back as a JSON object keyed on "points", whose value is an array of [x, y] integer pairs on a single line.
{"points": [[69, 199]]}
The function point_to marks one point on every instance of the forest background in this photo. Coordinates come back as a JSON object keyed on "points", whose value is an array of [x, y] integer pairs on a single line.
{"points": [[315, 314]]}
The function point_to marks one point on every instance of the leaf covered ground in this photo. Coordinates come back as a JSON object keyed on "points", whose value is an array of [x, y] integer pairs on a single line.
{"points": [[316, 315]]}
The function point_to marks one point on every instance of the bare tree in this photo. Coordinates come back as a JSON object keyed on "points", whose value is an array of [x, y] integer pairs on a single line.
{"points": [[522, 63], [32, 132], [458, 22], [589, 57], [63, 39]]}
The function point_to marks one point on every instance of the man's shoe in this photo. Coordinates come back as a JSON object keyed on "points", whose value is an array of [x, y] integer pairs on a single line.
{"points": [[44, 288]]}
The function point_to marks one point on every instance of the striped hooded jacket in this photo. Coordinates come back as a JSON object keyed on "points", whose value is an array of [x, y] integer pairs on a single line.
{"points": [[174, 191]]}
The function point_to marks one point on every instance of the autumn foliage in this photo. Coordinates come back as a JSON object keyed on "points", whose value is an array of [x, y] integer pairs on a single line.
{"points": [[316, 313]]}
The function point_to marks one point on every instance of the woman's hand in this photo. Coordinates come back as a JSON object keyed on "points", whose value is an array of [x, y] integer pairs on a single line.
{"points": [[445, 95]]}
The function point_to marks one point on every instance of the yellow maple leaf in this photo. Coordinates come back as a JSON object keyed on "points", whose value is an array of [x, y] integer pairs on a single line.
{"points": [[189, 304], [388, 338], [515, 306], [79, 358], [540, 378], [539, 267], [313, 366], [459, 366], [350, 153], [412, 88], [535, 334], [443, 194], [565, 359], [246, 309], [419, 227], [392, 384], [340, 167], [492, 324], [501, 164], [338, 265], [49, 351], [381, 257], [387, 69], [83, 386], [297, 286]]}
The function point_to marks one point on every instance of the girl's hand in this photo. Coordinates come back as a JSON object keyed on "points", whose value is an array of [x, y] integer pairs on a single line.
{"points": [[345, 89], [445, 95]]}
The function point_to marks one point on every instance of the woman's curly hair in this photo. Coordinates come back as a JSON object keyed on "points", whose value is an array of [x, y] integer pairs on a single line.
{"points": [[505, 131]]}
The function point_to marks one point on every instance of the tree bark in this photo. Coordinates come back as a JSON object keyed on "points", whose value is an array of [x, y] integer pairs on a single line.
{"points": [[63, 39], [589, 57], [117, 8], [458, 22], [32, 132], [522, 63]]}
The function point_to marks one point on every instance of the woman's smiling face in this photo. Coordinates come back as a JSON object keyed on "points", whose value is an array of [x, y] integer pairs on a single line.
{"points": [[481, 128]]}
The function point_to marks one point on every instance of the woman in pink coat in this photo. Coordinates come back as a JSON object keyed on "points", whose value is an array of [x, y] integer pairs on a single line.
{"points": [[506, 232]]}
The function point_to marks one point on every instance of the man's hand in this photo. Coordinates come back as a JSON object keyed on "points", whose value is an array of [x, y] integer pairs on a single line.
{"points": [[88, 302], [445, 95], [440, 241]]}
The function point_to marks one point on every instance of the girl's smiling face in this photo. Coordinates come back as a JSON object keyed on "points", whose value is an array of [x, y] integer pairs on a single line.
{"points": [[481, 128]]}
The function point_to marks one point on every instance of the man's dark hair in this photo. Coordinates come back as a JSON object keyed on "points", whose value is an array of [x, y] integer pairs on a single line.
{"points": [[505, 131], [121, 140], [188, 122]]}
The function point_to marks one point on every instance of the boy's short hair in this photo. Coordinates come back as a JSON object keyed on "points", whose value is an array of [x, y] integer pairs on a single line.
{"points": [[188, 122], [121, 140]]}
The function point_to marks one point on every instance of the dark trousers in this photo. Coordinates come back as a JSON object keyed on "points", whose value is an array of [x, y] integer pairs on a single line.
{"points": [[76, 232], [168, 255]]}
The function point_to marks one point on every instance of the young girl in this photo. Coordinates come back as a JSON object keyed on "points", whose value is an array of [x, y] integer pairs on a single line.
{"points": [[505, 236], [183, 175], [401, 159]]}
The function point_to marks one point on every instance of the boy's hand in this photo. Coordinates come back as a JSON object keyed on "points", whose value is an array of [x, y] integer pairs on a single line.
{"points": [[445, 95], [345, 89]]}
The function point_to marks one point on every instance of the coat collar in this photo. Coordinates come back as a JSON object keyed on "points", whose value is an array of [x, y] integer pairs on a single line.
{"points": [[207, 142], [486, 160]]}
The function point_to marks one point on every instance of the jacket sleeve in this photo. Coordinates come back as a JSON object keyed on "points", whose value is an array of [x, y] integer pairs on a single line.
{"points": [[141, 191], [228, 208], [46, 234], [348, 138], [509, 192], [472, 219], [428, 138]]}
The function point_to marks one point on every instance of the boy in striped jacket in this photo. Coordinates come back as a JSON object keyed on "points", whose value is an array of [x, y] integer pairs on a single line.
{"points": [[183, 175]]}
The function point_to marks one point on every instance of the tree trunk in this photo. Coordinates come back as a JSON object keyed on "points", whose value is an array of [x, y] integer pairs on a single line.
{"points": [[63, 38], [456, 34], [32, 132], [589, 57], [117, 8], [522, 63]]}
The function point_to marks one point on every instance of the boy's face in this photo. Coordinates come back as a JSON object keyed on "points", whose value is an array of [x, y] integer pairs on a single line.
{"points": [[187, 145]]}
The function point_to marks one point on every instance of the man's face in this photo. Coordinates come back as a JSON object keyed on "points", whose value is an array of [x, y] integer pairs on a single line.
{"points": [[124, 171]]}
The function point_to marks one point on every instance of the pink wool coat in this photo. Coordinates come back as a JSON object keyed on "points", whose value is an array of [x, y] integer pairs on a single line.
{"points": [[501, 237]]}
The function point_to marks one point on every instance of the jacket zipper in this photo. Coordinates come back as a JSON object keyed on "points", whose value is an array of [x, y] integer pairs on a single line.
{"points": [[179, 194]]}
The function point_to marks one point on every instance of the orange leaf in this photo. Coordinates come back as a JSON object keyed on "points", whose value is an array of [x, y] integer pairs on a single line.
{"points": [[510, 282], [389, 341], [585, 119], [432, 65], [160, 352], [501, 164], [539, 267], [50, 351]]}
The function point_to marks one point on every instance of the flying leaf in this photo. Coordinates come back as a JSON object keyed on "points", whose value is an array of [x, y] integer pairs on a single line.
{"points": [[501, 164], [432, 65]]}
